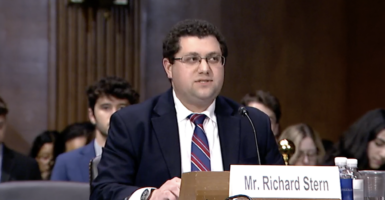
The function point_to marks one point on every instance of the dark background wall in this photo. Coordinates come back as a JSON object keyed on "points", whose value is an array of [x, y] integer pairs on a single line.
{"points": [[322, 59], [24, 46], [365, 56], [297, 51]]}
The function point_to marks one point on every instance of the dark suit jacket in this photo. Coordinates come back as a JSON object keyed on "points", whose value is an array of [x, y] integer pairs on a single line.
{"points": [[73, 165], [142, 147], [18, 167]]}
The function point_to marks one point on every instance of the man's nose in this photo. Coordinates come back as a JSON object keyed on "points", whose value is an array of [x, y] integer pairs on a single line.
{"points": [[114, 110], [204, 66]]}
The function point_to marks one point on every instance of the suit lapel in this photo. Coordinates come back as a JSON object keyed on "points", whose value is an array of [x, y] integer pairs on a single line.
{"points": [[229, 133], [166, 130], [7, 164], [88, 153]]}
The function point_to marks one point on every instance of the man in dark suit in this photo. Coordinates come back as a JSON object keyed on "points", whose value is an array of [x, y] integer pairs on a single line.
{"points": [[105, 97], [187, 128], [14, 166]]}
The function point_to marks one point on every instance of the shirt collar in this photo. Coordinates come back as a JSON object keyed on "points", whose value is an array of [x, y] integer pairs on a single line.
{"points": [[98, 149], [182, 112]]}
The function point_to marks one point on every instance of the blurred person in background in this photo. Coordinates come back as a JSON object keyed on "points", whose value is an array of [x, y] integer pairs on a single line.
{"points": [[365, 141], [309, 149], [74, 136], [42, 151], [266, 103], [14, 166], [105, 97]]}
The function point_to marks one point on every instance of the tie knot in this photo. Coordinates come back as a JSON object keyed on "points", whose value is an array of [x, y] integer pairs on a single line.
{"points": [[197, 118]]}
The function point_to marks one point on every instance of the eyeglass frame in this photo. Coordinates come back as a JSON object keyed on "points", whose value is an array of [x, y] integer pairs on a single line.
{"points": [[200, 59]]}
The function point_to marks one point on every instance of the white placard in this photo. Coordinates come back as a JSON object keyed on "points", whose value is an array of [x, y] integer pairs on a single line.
{"points": [[273, 181]]}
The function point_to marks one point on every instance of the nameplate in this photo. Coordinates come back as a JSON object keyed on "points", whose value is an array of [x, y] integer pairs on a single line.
{"points": [[273, 181]]}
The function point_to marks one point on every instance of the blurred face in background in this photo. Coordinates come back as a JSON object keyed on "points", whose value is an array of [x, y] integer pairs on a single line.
{"points": [[268, 112], [3, 127], [307, 152], [45, 159], [376, 151], [105, 106], [76, 143]]}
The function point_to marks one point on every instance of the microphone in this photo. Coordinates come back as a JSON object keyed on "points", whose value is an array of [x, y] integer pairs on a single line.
{"points": [[242, 111]]}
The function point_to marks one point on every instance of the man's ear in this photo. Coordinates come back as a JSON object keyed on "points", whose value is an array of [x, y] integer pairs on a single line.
{"points": [[167, 67], [91, 116]]}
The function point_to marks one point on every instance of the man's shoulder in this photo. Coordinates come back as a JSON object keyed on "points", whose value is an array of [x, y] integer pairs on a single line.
{"points": [[256, 112], [71, 156], [253, 112], [141, 109], [20, 157]]}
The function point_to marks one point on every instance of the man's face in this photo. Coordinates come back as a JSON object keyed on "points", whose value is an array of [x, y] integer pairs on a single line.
{"points": [[268, 112], [376, 151], [201, 83], [105, 106], [3, 127]]}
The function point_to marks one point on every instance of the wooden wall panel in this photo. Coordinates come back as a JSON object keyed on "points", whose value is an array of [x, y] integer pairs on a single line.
{"points": [[366, 53], [297, 51], [92, 45], [24, 69]]}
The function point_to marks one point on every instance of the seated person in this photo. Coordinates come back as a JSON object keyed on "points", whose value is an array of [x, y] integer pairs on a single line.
{"points": [[42, 152], [73, 137], [105, 97], [266, 103], [187, 128], [365, 141], [14, 166], [308, 145]]}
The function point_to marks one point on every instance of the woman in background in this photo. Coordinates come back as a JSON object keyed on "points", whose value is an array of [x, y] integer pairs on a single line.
{"points": [[308, 146], [42, 151], [365, 141]]}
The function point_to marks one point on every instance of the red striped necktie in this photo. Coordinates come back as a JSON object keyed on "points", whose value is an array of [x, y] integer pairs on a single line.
{"points": [[200, 151]]}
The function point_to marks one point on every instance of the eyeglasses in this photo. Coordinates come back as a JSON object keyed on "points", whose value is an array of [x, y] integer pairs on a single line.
{"points": [[213, 60]]}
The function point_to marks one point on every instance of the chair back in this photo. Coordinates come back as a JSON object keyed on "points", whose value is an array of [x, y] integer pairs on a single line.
{"points": [[93, 169], [44, 190]]}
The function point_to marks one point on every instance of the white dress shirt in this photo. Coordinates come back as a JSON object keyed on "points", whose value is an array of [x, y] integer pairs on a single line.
{"points": [[186, 131], [98, 149]]}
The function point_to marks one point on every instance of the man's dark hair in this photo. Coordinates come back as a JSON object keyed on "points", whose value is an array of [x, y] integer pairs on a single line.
{"points": [[83, 129], [111, 86], [3, 108], [264, 98], [190, 27]]}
